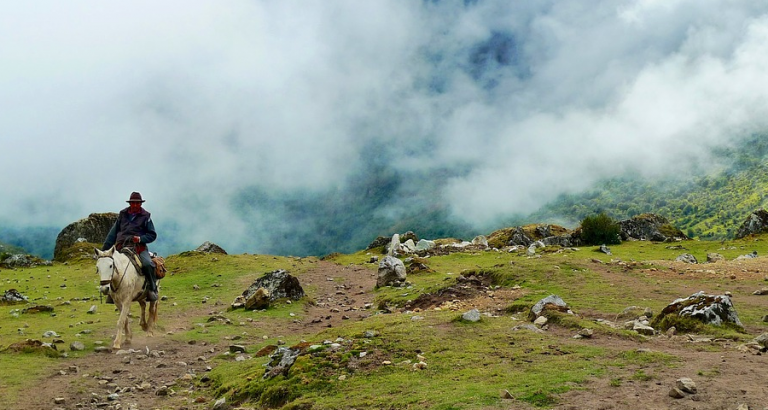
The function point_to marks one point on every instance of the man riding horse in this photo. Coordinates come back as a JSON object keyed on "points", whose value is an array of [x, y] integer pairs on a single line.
{"points": [[134, 228]]}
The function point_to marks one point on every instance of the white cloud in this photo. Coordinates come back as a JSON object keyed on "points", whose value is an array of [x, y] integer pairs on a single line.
{"points": [[191, 103]]}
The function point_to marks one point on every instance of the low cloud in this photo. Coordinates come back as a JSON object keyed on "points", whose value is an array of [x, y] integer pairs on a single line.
{"points": [[248, 125]]}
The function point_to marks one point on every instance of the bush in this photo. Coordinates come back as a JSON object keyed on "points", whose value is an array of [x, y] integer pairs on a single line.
{"points": [[600, 229]]}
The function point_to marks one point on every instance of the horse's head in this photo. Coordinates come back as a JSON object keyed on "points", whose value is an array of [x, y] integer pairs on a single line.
{"points": [[105, 266]]}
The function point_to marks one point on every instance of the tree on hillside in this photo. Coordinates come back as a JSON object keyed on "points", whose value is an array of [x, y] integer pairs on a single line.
{"points": [[600, 229]]}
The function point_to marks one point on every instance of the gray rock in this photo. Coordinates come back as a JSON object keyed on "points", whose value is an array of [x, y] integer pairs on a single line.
{"points": [[391, 272], [606, 250], [676, 393], [714, 257], [756, 223], [425, 245], [529, 327], [237, 349], [210, 247], [77, 346], [24, 261], [686, 385], [279, 284], [552, 300], [643, 329], [481, 241], [471, 316], [13, 296], [709, 309], [747, 256], [281, 361], [258, 300], [649, 227], [221, 404], [92, 310], [687, 258]]}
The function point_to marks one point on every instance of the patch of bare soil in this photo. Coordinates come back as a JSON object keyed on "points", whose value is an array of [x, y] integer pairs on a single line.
{"points": [[726, 376]]}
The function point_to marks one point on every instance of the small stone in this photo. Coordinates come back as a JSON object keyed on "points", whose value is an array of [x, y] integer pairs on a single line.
{"points": [[77, 346], [237, 349], [471, 316], [92, 310], [507, 395], [540, 321], [113, 397], [676, 393], [59, 400], [686, 384]]}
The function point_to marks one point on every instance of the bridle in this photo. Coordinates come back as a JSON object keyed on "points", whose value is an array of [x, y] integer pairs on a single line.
{"points": [[110, 281]]}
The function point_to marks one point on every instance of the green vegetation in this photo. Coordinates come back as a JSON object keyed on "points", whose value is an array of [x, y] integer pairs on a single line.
{"points": [[466, 364], [710, 206], [600, 229]]}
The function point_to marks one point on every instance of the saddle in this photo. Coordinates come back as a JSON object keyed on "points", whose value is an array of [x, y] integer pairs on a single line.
{"points": [[135, 259]]}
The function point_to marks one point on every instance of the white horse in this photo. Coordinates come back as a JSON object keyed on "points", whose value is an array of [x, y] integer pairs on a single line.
{"points": [[120, 280]]}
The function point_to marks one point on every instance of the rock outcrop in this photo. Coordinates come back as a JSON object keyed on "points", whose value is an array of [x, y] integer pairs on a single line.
{"points": [[524, 236], [210, 247], [709, 309], [650, 227], [272, 286], [94, 229], [756, 223]]}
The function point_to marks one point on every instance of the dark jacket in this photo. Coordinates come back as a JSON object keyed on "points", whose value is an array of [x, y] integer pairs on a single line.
{"points": [[130, 225]]}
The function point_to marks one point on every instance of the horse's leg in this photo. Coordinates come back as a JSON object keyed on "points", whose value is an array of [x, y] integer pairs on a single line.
{"points": [[143, 305], [152, 317], [122, 321]]}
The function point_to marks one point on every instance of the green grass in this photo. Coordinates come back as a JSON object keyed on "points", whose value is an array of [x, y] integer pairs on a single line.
{"points": [[468, 364]]}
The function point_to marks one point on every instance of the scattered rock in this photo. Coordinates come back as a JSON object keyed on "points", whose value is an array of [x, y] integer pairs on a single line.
{"points": [[687, 258], [686, 385], [12, 296], [258, 300], [281, 361], [747, 256], [471, 316], [77, 346], [714, 257], [676, 393], [391, 272], [606, 250]]}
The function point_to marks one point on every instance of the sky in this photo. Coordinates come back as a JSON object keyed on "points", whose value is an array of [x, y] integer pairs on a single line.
{"points": [[488, 108]]}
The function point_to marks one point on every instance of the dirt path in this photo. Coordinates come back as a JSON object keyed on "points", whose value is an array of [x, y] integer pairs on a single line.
{"points": [[725, 376]]}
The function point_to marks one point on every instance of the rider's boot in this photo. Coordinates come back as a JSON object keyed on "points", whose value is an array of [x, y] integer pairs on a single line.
{"points": [[151, 283], [109, 300]]}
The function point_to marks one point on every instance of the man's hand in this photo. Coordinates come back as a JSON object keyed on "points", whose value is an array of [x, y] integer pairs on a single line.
{"points": [[136, 239]]}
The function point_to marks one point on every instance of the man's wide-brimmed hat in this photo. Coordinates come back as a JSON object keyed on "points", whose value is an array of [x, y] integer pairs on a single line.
{"points": [[135, 197]]}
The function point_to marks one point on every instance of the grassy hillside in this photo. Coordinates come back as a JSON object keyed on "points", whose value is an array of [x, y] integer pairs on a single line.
{"points": [[708, 207], [467, 365]]}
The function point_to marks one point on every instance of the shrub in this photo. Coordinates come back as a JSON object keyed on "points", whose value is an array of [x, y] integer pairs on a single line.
{"points": [[600, 229]]}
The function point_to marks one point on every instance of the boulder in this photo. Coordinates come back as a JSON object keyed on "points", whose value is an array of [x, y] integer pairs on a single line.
{"points": [[210, 247], [471, 316], [258, 300], [709, 309], [551, 302], [687, 258], [378, 242], [280, 362], [93, 229], [276, 285], [752, 255], [756, 223], [480, 241], [649, 227], [13, 296], [424, 245], [714, 257], [391, 272]]}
